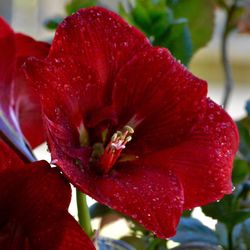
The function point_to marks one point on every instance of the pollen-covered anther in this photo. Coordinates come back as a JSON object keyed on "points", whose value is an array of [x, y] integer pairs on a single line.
{"points": [[114, 148], [120, 139]]}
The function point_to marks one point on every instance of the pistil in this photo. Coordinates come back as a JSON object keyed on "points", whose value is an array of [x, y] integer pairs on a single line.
{"points": [[114, 148]]}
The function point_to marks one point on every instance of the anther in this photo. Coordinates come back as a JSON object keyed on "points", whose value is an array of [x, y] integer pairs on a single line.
{"points": [[114, 148], [129, 129]]}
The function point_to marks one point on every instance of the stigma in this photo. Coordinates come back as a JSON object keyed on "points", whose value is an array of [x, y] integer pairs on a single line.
{"points": [[114, 148]]}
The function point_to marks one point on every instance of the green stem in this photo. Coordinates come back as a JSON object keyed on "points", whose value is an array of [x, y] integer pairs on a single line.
{"points": [[83, 213], [230, 238]]}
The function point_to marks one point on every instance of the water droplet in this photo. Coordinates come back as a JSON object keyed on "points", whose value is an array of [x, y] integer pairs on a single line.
{"points": [[211, 117]]}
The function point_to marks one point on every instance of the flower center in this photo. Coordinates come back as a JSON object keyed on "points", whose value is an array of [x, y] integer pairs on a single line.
{"points": [[114, 148]]}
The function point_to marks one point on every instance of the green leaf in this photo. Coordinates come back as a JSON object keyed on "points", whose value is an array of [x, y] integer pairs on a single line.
{"points": [[222, 4], [75, 5], [52, 23], [222, 234], [244, 131], [187, 213], [235, 17], [227, 210], [192, 230], [240, 216], [196, 246], [137, 243], [98, 210], [177, 39], [157, 21], [126, 15], [241, 236], [141, 16], [248, 108], [241, 170], [200, 16]]}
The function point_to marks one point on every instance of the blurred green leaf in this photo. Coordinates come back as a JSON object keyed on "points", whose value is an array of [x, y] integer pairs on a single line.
{"points": [[52, 23], [156, 20], [222, 4], [241, 236], [227, 210], [141, 15], [197, 246], [187, 213], [235, 16], [248, 108], [99, 210], [108, 243], [241, 170], [137, 243], [126, 15], [157, 244], [244, 131], [75, 5], [192, 230], [178, 40], [200, 16], [152, 17], [222, 234]]}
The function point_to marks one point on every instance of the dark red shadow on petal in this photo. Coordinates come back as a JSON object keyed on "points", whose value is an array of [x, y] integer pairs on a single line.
{"points": [[34, 200]]}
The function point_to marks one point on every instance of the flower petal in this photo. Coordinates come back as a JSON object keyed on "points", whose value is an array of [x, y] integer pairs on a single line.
{"points": [[34, 199], [150, 196], [49, 224], [7, 68], [144, 192], [203, 161], [19, 102], [76, 73], [27, 46], [26, 100], [159, 98], [8, 158], [102, 40]]}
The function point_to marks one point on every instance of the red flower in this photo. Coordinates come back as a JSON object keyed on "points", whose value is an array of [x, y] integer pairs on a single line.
{"points": [[34, 199], [16, 94], [130, 126]]}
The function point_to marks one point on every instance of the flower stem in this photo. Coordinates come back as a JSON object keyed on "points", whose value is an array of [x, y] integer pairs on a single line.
{"points": [[230, 238], [83, 213]]}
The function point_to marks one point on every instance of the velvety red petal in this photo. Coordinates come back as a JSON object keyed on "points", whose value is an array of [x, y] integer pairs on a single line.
{"points": [[46, 200], [27, 46], [34, 199], [8, 158], [7, 68], [101, 39], [159, 98], [26, 100], [66, 88], [62, 233], [19, 102], [150, 196], [144, 192], [203, 161], [88, 49]]}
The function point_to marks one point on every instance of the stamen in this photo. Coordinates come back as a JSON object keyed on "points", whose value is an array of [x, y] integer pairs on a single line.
{"points": [[114, 148], [83, 135], [129, 129]]}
